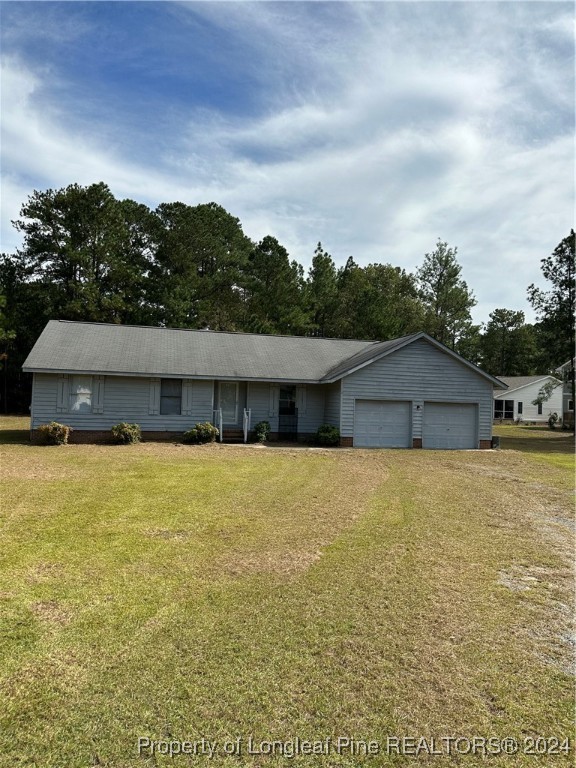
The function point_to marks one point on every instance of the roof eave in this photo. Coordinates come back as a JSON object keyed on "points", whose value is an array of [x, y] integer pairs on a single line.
{"points": [[162, 375]]}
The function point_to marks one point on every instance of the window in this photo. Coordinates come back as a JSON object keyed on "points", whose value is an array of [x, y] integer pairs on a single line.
{"points": [[503, 409], [287, 402], [570, 405], [520, 407], [171, 397], [539, 409], [81, 394]]}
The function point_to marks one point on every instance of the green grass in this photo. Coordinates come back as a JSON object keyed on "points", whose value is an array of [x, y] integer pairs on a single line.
{"points": [[177, 592], [549, 446]]}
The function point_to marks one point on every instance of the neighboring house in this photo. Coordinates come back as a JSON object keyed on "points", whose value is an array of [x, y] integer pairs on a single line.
{"points": [[408, 392], [566, 373], [516, 401]]}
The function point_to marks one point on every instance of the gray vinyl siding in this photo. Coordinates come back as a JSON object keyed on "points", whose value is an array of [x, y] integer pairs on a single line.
{"points": [[312, 415], [258, 400], [332, 404], [418, 372], [44, 396], [125, 399]]}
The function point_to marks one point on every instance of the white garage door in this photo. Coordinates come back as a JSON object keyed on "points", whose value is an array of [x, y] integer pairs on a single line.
{"points": [[449, 425], [382, 424]]}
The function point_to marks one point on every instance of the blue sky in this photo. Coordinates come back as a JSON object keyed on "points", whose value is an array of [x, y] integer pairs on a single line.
{"points": [[374, 127]]}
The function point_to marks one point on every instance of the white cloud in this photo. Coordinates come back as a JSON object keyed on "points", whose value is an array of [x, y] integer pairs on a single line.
{"points": [[416, 122], [38, 147]]}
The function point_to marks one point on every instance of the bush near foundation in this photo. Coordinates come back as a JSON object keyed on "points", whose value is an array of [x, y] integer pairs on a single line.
{"points": [[261, 431], [54, 433], [328, 435], [201, 433], [125, 434]]}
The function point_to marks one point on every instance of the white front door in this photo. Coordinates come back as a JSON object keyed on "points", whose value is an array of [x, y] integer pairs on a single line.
{"points": [[229, 401]]}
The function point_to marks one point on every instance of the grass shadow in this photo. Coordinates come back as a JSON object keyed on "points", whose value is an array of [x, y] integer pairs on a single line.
{"points": [[565, 445], [15, 430], [534, 438], [14, 437]]}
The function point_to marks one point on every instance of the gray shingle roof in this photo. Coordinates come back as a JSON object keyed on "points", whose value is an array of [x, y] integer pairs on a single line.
{"points": [[515, 382], [124, 350], [119, 349]]}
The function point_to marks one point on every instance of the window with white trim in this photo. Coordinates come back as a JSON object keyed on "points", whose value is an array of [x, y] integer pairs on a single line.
{"points": [[80, 394], [171, 397]]}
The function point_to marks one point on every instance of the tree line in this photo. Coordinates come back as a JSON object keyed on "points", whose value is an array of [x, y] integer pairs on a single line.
{"points": [[87, 255]]}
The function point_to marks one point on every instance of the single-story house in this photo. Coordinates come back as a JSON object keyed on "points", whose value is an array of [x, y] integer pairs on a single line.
{"points": [[516, 402], [566, 373], [407, 392]]}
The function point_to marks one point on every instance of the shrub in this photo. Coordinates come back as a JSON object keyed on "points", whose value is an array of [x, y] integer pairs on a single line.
{"points": [[201, 433], [552, 419], [126, 433], [261, 431], [54, 433], [328, 435]]}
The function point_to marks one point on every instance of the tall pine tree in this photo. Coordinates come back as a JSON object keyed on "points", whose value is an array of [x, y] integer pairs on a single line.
{"points": [[446, 297]]}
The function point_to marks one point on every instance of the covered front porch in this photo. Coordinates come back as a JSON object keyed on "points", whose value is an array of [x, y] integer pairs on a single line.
{"points": [[294, 411]]}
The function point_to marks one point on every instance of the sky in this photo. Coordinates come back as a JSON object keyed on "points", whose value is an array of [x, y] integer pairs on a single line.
{"points": [[376, 128]]}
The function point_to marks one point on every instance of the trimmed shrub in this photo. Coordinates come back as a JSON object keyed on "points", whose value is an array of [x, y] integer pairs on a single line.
{"points": [[201, 433], [125, 434], [261, 431], [552, 420], [328, 435], [54, 433]]}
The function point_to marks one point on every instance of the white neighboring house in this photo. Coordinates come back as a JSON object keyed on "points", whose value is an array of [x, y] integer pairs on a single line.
{"points": [[516, 401], [566, 371]]}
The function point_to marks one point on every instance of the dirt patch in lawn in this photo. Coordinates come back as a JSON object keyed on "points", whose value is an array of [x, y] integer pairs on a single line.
{"points": [[40, 573], [51, 611], [16, 469], [164, 533]]}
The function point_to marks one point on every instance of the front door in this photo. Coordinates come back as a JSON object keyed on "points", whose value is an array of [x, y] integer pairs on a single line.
{"points": [[287, 414], [228, 401]]}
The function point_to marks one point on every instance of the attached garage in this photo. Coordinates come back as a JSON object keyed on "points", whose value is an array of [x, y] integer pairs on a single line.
{"points": [[450, 426], [382, 424]]}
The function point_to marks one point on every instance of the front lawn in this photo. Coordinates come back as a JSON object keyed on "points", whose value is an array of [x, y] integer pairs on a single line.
{"points": [[177, 593]]}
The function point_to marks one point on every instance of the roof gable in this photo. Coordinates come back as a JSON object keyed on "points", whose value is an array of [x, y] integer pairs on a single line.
{"points": [[381, 349]]}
